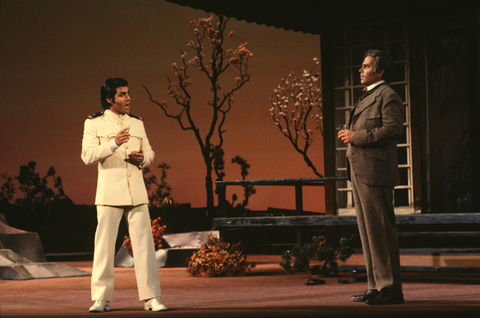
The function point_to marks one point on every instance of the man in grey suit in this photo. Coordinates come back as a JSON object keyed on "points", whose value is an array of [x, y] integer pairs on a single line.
{"points": [[376, 123]]}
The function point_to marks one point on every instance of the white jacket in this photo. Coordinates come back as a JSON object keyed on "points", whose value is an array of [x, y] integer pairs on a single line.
{"points": [[119, 183]]}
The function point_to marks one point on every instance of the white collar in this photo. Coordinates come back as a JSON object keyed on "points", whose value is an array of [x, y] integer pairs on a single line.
{"points": [[370, 87], [112, 115]]}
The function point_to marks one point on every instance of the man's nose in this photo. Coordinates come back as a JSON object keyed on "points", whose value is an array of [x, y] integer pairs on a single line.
{"points": [[127, 97]]}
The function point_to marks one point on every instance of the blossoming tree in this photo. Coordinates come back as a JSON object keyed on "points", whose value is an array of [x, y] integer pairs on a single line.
{"points": [[212, 60], [297, 110]]}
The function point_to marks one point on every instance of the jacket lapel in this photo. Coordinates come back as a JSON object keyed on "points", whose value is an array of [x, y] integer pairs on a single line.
{"points": [[369, 100]]}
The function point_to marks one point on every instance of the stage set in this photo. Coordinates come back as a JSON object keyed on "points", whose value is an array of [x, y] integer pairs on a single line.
{"points": [[437, 203]]}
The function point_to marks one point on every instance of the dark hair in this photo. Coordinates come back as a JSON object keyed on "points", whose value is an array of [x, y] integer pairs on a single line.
{"points": [[109, 89], [383, 62]]}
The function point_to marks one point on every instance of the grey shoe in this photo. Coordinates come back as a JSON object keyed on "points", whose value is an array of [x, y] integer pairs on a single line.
{"points": [[387, 297], [368, 294]]}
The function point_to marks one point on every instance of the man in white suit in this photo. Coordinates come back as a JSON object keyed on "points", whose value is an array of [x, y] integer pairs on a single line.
{"points": [[116, 141]]}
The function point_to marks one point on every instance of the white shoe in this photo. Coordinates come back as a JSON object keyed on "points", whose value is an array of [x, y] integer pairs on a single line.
{"points": [[100, 306], [154, 304]]}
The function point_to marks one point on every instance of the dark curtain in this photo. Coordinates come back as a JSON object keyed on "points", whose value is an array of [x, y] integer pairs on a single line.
{"points": [[449, 132]]}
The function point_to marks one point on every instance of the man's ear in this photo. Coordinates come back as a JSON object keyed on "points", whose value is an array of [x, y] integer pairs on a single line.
{"points": [[381, 73], [109, 100]]}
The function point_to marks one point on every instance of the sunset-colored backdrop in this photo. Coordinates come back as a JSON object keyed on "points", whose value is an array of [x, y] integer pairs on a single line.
{"points": [[55, 55]]}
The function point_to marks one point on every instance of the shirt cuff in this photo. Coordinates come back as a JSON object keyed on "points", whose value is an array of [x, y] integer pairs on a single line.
{"points": [[113, 145]]}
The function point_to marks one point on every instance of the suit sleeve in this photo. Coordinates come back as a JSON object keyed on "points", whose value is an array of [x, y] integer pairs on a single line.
{"points": [[92, 150], [389, 126], [148, 153]]}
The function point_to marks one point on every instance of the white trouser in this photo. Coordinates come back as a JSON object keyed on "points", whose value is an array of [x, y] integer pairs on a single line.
{"points": [[139, 226]]}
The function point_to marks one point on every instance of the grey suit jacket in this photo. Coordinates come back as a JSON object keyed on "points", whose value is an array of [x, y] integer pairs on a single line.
{"points": [[378, 124]]}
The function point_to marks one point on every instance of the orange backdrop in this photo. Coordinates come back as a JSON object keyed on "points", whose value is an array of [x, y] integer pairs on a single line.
{"points": [[56, 54]]}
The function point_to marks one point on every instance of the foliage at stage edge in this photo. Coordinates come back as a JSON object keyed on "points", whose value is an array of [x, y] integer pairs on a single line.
{"points": [[158, 189], [35, 189], [216, 258], [240, 209], [157, 231], [320, 251]]}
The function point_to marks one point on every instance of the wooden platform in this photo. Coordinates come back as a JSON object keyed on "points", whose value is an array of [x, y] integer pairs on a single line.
{"points": [[326, 220], [267, 291], [435, 233], [462, 237]]}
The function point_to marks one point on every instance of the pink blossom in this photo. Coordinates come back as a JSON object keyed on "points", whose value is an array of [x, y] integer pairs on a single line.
{"points": [[234, 61], [186, 82], [194, 61], [245, 53]]}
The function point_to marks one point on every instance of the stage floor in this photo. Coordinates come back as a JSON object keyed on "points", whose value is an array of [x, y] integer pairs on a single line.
{"points": [[266, 292]]}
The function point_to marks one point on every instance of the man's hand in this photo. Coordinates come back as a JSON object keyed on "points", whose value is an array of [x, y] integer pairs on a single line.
{"points": [[122, 137], [346, 136], [136, 157]]}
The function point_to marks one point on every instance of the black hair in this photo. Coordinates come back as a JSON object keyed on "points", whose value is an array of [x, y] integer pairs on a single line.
{"points": [[109, 89], [383, 62]]}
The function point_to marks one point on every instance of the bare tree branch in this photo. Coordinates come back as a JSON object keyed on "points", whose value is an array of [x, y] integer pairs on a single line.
{"points": [[209, 36], [297, 111]]}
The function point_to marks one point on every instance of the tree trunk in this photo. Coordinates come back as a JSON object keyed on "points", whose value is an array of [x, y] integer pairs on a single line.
{"points": [[210, 194]]}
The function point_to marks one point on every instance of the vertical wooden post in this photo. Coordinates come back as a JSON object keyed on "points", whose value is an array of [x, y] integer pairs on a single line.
{"points": [[222, 200], [299, 210], [222, 205]]}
